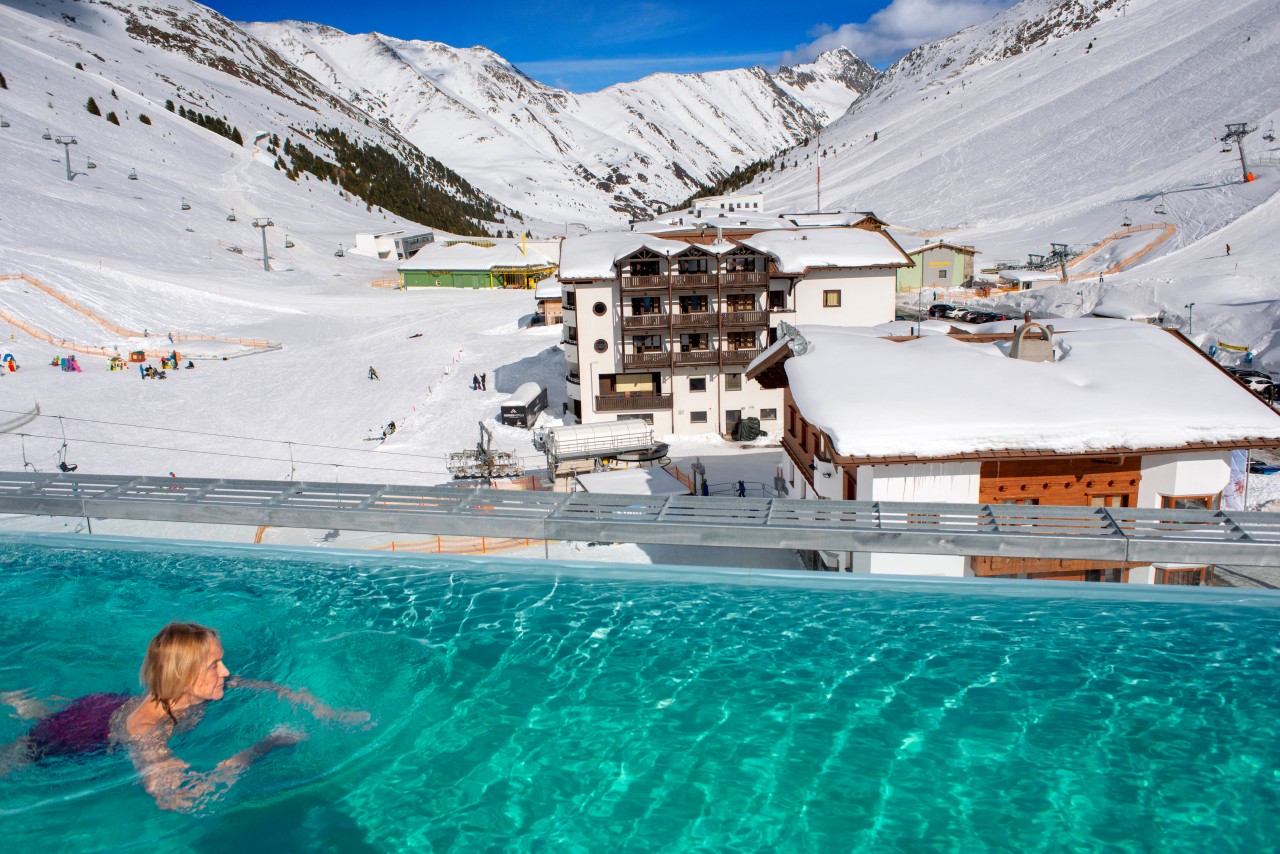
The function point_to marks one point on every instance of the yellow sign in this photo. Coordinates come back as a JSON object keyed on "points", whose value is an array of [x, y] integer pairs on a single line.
{"points": [[939, 263]]}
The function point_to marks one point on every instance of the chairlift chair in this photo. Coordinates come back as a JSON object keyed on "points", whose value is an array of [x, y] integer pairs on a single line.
{"points": [[231, 217], [185, 205], [89, 164], [1226, 148], [46, 134], [1160, 208], [4, 123], [339, 253], [133, 174], [1269, 136], [1127, 222], [288, 244]]}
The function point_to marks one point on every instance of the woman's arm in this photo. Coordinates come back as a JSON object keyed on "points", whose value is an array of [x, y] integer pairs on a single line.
{"points": [[175, 787], [301, 697]]}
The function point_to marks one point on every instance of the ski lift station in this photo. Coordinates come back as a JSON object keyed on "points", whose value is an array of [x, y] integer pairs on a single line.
{"points": [[391, 245], [576, 449]]}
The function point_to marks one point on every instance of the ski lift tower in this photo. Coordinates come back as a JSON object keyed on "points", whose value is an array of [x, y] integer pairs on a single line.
{"points": [[1236, 133], [66, 142], [1059, 255], [264, 223]]}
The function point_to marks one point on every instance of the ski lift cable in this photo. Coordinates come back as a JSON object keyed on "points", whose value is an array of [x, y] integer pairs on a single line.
{"points": [[236, 437]]}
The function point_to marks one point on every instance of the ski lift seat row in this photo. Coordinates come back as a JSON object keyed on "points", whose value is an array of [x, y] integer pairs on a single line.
{"points": [[4, 123], [185, 205]]}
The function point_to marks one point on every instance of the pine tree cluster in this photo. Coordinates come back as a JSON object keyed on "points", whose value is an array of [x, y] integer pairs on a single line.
{"points": [[219, 126]]}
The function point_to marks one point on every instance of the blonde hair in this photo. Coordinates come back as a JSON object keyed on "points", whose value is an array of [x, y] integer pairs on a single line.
{"points": [[173, 661]]}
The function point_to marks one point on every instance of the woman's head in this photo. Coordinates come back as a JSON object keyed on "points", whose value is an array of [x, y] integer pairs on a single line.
{"points": [[184, 662]]}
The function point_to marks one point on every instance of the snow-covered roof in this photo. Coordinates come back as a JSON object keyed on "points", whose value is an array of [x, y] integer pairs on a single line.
{"points": [[466, 256], [548, 289], [796, 250], [684, 221], [942, 244], [593, 256], [637, 481], [1115, 385]]}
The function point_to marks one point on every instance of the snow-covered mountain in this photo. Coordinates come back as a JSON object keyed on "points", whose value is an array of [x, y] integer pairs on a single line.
{"points": [[829, 84], [606, 155], [1055, 119]]}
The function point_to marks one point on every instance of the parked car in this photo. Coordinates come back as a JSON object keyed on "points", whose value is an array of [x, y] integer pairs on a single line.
{"points": [[1259, 467], [1242, 373], [939, 309], [1258, 384]]}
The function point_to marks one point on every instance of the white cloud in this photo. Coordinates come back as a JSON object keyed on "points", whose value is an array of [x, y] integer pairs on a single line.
{"points": [[899, 27]]}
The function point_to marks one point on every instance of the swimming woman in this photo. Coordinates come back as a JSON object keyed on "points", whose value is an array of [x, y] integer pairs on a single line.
{"points": [[182, 672]]}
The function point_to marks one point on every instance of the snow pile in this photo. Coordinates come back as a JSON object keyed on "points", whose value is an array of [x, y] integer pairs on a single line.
{"points": [[1115, 385]]}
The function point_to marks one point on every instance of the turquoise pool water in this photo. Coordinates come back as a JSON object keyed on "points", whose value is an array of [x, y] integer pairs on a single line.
{"points": [[526, 707]]}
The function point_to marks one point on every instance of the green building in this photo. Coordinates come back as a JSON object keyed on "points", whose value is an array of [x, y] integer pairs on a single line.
{"points": [[937, 265], [475, 264]]}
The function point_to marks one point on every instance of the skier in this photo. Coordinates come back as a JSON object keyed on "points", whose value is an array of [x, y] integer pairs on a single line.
{"points": [[1228, 250], [373, 374]]}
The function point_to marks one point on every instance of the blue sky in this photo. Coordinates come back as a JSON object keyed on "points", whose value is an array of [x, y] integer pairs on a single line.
{"points": [[587, 45]]}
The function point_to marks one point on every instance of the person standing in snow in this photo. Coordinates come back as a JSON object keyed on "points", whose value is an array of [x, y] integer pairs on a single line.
{"points": [[373, 374], [482, 382], [1228, 250], [742, 489], [475, 382]]}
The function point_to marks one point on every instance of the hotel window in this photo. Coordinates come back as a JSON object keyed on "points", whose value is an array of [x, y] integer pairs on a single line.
{"points": [[698, 417], [697, 383], [741, 341], [646, 417], [768, 415], [740, 302], [568, 301], [693, 304], [942, 274], [645, 267], [691, 341], [646, 305], [1108, 501], [688, 266], [740, 263], [599, 309], [601, 345], [1190, 502], [646, 343], [733, 382], [777, 300], [830, 299]]}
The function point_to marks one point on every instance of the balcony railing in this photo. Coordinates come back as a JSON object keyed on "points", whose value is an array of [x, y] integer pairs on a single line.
{"points": [[573, 379], [697, 318], [644, 321], [693, 280], [697, 357], [620, 402], [631, 283], [744, 278], [746, 318], [646, 360], [738, 357]]}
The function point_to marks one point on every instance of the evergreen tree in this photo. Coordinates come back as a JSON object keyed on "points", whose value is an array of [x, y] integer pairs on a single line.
{"points": [[111, 117], [168, 105], [92, 106], [144, 118], [3, 84]]}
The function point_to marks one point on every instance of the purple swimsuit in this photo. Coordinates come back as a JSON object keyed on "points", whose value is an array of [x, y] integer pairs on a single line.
{"points": [[82, 727]]}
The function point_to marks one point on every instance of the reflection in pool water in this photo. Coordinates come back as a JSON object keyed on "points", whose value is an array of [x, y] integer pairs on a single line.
{"points": [[529, 706]]}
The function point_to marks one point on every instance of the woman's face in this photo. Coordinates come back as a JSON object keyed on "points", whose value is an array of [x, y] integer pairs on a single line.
{"points": [[213, 673]]}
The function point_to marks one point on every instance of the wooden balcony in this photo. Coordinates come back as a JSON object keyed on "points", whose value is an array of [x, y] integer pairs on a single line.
{"points": [[697, 357], [642, 283], [702, 319], [645, 321], [689, 281], [738, 357], [621, 402], [744, 279], [745, 318], [646, 360]]}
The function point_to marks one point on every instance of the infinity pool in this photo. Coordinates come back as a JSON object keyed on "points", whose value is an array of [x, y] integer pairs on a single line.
{"points": [[526, 706]]}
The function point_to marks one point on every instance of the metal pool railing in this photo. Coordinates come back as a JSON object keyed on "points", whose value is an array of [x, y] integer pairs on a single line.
{"points": [[1006, 530]]}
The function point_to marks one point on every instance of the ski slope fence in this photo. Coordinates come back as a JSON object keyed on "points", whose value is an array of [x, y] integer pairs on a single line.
{"points": [[110, 326], [1168, 229]]}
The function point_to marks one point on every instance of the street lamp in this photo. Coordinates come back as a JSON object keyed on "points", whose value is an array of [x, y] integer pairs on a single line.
{"points": [[66, 142], [263, 223], [1190, 329]]}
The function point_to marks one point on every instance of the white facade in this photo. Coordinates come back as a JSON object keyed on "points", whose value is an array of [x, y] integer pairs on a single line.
{"points": [[1183, 476], [752, 202], [391, 245]]}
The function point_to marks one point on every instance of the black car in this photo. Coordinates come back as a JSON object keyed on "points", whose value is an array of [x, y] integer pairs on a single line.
{"points": [[939, 309]]}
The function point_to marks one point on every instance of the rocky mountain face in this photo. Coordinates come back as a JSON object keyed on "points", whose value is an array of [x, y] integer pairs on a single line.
{"points": [[830, 83], [560, 156]]}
